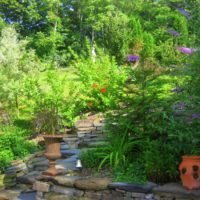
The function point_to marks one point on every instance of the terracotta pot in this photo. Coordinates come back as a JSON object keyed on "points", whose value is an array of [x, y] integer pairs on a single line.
{"points": [[190, 172], [52, 144]]}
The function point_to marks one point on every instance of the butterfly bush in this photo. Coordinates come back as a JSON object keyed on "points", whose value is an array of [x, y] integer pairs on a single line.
{"points": [[132, 58], [184, 13], [186, 50], [173, 32]]}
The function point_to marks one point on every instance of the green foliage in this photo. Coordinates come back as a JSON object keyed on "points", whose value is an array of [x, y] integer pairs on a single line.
{"points": [[90, 158], [114, 154], [132, 173], [13, 145], [55, 95]]}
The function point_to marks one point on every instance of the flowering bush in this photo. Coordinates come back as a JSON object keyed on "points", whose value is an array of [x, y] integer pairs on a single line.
{"points": [[102, 80]]}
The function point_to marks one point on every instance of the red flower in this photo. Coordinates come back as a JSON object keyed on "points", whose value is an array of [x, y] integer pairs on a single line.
{"points": [[103, 90], [94, 85]]}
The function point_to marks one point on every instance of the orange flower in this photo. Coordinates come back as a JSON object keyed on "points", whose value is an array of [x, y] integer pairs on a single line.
{"points": [[94, 85], [103, 90]]}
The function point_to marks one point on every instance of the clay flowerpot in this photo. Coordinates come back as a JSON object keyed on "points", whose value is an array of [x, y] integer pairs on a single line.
{"points": [[190, 172], [52, 144]]}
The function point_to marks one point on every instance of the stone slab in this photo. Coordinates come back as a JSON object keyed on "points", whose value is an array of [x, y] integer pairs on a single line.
{"points": [[41, 186], [9, 194], [66, 191], [67, 181], [176, 188], [147, 188], [90, 183], [56, 196], [83, 123], [29, 178]]}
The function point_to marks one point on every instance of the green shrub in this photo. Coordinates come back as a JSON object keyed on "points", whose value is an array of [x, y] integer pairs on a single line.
{"points": [[90, 158], [13, 145]]}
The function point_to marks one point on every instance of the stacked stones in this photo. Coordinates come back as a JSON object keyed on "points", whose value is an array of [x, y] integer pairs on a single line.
{"points": [[88, 188], [90, 131], [17, 169]]}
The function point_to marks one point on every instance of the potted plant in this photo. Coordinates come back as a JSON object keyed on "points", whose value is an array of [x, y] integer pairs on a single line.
{"points": [[190, 166], [47, 122], [190, 172]]}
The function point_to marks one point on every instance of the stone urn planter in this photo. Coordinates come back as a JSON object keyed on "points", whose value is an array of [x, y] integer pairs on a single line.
{"points": [[190, 172], [52, 153]]}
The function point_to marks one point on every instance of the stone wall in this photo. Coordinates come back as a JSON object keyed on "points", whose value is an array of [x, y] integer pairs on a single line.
{"points": [[89, 188]]}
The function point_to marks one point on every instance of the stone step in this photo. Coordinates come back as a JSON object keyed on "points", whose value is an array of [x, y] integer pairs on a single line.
{"points": [[70, 152], [10, 194], [68, 164], [64, 147], [29, 178], [27, 196]]}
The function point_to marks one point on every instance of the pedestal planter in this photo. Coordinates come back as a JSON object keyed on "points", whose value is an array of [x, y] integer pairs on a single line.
{"points": [[52, 144], [190, 172]]}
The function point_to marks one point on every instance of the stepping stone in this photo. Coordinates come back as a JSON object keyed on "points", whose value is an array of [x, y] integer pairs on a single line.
{"points": [[70, 152], [67, 164]]}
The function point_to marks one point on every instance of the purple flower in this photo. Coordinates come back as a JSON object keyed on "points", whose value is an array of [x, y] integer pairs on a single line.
{"points": [[174, 33], [186, 50], [195, 116], [184, 12], [132, 58]]}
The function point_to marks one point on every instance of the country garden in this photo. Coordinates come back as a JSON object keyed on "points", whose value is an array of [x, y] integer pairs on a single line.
{"points": [[118, 81]]}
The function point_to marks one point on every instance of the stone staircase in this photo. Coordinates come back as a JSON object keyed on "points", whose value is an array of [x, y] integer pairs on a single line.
{"points": [[22, 174]]}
